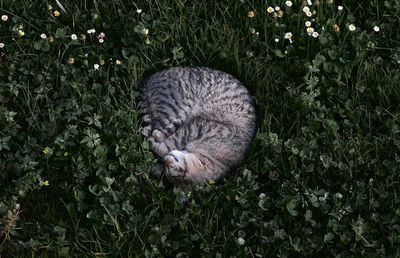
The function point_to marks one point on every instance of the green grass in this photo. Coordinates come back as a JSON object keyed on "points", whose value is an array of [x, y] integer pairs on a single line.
{"points": [[323, 173]]}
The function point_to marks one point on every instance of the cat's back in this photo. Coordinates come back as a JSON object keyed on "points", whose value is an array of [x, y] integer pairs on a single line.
{"points": [[185, 92]]}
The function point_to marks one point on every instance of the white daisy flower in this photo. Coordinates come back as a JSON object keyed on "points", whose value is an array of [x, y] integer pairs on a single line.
{"points": [[139, 10], [352, 27], [2, 45], [145, 31], [277, 8], [270, 9], [309, 14], [91, 31], [96, 66], [21, 33], [376, 29], [43, 36], [74, 37], [308, 24], [310, 30], [340, 7], [289, 3], [309, 2], [288, 35], [276, 40], [101, 40], [306, 9], [4, 18], [315, 34]]}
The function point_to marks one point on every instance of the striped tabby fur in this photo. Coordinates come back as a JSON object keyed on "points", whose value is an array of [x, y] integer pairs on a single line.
{"points": [[200, 122]]}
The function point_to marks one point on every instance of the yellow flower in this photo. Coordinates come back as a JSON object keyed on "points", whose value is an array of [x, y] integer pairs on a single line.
{"points": [[46, 150], [211, 182], [336, 27], [51, 39], [280, 13], [65, 154], [251, 14], [102, 62], [118, 62], [49, 7], [155, 249], [147, 41], [56, 13], [46, 183], [83, 36], [4, 18], [71, 60], [252, 30], [275, 14], [96, 16], [20, 26]]}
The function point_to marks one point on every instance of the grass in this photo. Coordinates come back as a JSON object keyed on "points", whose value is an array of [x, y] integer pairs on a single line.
{"points": [[322, 176]]}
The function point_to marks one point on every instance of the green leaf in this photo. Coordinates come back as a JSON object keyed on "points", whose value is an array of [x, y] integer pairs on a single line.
{"points": [[38, 45], [328, 237], [60, 32], [291, 206], [279, 53]]}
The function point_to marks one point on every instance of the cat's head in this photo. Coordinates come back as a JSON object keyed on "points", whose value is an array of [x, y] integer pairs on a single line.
{"points": [[183, 167]]}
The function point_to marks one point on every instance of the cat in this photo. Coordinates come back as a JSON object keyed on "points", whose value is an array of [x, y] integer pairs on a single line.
{"points": [[200, 122]]}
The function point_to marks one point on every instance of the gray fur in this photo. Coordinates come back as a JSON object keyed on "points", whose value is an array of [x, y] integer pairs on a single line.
{"points": [[200, 122]]}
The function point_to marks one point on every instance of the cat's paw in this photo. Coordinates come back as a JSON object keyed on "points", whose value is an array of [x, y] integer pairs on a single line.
{"points": [[175, 165], [160, 148], [158, 136]]}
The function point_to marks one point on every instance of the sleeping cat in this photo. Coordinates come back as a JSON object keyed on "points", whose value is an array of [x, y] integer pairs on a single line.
{"points": [[200, 122]]}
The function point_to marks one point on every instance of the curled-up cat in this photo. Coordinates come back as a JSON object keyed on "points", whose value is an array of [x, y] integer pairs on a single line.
{"points": [[200, 122]]}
